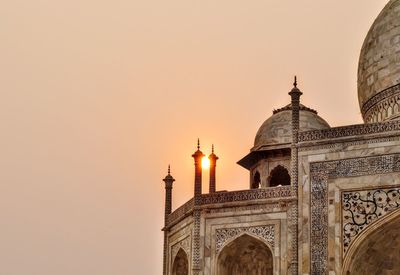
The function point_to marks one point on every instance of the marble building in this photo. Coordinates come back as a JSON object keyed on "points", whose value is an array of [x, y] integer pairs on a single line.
{"points": [[321, 199]]}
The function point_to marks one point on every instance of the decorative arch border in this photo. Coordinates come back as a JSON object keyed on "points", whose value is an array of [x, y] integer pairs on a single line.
{"points": [[257, 237], [395, 214], [320, 172], [264, 233], [183, 244]]}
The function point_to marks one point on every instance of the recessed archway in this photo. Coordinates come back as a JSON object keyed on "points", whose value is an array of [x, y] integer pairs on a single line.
{"points": [[377, 250], [279, 176], [256, 181], [181, 264], [245, 255]]}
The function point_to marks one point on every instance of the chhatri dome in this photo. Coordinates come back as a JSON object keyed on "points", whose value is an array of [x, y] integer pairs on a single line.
{"points": [[277, 129], [379, 67], [275, 134]]}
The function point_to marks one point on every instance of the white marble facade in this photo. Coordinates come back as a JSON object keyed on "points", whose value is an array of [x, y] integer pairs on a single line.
{"points": [[331, 217]]}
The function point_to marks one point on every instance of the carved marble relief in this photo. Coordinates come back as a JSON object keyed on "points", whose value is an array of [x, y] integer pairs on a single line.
{"points": [[347, 131], [383, 105], [265, 232], [184, 244]]}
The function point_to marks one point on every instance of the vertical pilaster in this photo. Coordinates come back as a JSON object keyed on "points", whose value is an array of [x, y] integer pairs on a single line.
{"points": [[213, 166], [295, 94], [168, 180], [197, 156]]}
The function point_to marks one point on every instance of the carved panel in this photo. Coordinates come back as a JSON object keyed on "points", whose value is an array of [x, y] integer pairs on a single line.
{"points": [[361, 208], [265, 232], [382, 105], [347, 131], [184, 244], [320, 172], [336, 144], [270, 207], [247, 195]]}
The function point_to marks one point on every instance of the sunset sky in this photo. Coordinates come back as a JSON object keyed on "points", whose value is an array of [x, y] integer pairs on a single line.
{"points": [[98, 97]]}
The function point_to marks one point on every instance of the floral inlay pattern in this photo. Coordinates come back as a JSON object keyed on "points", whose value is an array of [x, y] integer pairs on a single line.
{"points": [[361, 208]]}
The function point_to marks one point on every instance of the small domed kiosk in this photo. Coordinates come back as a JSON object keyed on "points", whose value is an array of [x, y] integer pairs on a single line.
{"points": [[269, 159]]}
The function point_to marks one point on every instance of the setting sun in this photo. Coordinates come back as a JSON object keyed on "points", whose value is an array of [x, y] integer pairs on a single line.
{"points": [[205, 162]]}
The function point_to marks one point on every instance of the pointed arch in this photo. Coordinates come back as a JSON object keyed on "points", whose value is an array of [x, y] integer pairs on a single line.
{"points": [[279, 176], [181, 263], [377, 249], [256, 183], [245, 255]]}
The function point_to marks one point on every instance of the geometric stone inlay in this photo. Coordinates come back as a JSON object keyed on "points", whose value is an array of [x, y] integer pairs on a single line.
{"points": [[265, 232], [361, 208]]}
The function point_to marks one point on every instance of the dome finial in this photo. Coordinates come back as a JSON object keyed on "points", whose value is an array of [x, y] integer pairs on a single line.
{"points": [[295, 82], [198, 144], [169, 169], [212, 149]]}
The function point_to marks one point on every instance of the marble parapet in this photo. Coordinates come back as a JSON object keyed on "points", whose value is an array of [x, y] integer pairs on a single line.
{"points": [[233, 197]]}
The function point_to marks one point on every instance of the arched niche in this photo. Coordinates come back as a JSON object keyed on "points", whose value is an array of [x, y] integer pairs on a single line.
{"points": [[181, 263], [377, 250], [245, 255], [279, 176], [256, 183]]}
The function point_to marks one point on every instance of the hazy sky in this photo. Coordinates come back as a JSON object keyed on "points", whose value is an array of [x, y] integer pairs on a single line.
{"points": [[98, 97]]}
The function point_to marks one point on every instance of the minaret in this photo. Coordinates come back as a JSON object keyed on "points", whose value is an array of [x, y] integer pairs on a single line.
{"points": [[213, 164], [168, 180], [295, 94], [198, 155]]}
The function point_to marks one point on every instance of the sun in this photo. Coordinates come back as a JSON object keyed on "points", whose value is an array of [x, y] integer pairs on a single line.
{"points": [[205, 162]]}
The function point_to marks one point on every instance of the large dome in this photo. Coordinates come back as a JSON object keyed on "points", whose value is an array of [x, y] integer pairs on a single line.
{"points": [[278, 129], [379, 67]]}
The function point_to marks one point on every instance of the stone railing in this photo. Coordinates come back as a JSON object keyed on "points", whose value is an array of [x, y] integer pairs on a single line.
{"points": [[181, 212], [233, 196], [246, 195], [347, 131]]}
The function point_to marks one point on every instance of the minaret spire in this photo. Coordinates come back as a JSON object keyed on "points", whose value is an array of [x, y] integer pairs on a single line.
{"points": [[295, 82]]}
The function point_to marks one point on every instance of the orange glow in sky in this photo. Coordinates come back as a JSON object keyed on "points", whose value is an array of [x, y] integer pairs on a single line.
{"points": [[205, 162], [98, 97]]}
